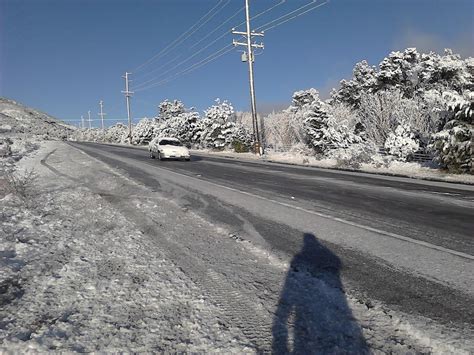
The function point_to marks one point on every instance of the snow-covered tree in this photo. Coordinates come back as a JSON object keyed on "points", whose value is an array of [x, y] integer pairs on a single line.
{"points": [[454, 145], [169, 109], [364, 80], [322, 131], [409, 72], [283, 130], [380, 114], [144, 131], [218, 128], [402, 143], [117, 133], [184, 127]]}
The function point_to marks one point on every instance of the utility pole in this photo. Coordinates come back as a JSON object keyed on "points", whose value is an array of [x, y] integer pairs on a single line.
{"points": [[89, 114], [127, 97], [82, 121], [250, 59], [101, 113]]}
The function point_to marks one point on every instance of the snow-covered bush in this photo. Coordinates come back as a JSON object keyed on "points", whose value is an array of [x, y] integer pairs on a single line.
{"points": [[169, 109], [322, 131], [402, 143], [284, 130], [353, 156], [184, 127], [346, 116], [380, 114], [218, 128], [144, 131], [117, 133], [242, 139], [245, 119], [454, 146], [90, 135], [222, 111]]}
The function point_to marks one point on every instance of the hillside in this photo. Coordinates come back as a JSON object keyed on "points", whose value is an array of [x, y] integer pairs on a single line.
{"points": [[16, 118]]}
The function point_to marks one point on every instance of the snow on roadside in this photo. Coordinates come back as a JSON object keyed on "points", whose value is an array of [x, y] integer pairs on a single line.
{"points": [[82, 277], [78, 277], [408, 169]]}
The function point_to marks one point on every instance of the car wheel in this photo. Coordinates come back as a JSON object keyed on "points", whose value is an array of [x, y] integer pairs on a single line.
{"points": [[187, 159], [160, 157]]}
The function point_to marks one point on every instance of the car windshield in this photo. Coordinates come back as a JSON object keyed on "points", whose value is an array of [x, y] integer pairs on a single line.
{"points": [[170, 142]]}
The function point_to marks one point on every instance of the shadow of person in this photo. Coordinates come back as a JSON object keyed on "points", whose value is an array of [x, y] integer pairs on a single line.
{"points": [[312, 314]]}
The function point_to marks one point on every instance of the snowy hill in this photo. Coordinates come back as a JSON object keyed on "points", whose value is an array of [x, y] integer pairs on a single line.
{"points": [[16, 118]]}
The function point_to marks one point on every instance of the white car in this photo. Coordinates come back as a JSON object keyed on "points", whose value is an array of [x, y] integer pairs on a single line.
{"points": [[168, 148]]}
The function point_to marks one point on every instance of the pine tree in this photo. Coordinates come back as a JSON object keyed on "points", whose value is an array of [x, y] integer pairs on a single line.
{"points": [[169, 109], [144, 131], [454, 145]]}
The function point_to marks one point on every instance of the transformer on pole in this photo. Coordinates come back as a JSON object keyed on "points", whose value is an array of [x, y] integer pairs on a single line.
{"points": [[127, 98], [250, 58]]}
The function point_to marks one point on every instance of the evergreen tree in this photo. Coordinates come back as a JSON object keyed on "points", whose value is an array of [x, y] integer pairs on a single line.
{"points": [[454, 145]]}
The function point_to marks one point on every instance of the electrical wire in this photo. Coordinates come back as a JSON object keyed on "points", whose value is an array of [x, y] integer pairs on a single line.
{"points": [[262, 13], [288, 14], [266, 29], [202, 49], [185, 35], [194, 45], [193, 67], [181, 63], [220, 26], [190, 69]]}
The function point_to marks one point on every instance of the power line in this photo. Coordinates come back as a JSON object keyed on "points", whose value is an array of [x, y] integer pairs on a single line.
{"points": [[261, 13], [190, 69], [221, 25], [201, 40], [265, 11], [182, 62], [293, 17], [184, 36], [189, 58], [288, 14]]}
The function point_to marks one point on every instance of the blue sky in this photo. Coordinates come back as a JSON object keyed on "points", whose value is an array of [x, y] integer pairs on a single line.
{"points": [[63, 56]]}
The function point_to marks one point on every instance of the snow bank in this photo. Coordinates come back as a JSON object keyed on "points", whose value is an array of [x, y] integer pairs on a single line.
{"points": [[381, 166]]}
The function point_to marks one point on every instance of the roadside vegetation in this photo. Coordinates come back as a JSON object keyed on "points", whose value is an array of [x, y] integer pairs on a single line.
{"points": [[412, 104]]}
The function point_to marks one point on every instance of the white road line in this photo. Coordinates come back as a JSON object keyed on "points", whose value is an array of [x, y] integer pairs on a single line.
{"points": [[323, 215], [337, 219]]}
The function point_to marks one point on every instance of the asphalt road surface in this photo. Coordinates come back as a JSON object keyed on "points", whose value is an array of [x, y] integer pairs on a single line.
{"points": [[406, 243]]}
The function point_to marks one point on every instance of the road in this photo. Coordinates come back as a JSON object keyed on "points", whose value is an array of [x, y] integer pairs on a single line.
{"points": [[406, 244]]}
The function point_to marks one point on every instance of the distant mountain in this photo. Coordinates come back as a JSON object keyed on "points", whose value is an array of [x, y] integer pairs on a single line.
{"points": [[16, 118]]}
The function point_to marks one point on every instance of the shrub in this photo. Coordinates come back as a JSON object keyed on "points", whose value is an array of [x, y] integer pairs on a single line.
{"points": [[354, 156], [240, 147], [402, 143]]}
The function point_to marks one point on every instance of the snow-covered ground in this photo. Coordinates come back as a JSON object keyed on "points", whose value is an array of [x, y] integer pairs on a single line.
{"points": [[93, 261], [76, 275], [408, 169], [17, 120]]}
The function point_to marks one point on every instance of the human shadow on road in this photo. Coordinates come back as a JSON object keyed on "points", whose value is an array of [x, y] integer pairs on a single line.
{"points": [[312, 314]]}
